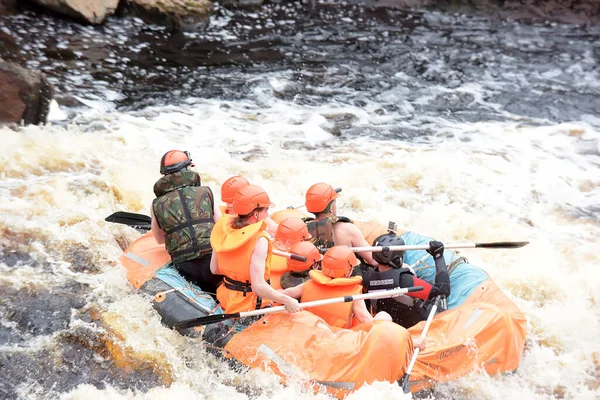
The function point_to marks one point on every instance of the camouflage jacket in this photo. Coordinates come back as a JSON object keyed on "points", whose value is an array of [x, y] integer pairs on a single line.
{"points": [[184, 210], [321, 230]]}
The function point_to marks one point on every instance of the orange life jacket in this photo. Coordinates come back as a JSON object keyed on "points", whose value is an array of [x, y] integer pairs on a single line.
{"points": [[323, 287], [234, 248], [278, 268]]}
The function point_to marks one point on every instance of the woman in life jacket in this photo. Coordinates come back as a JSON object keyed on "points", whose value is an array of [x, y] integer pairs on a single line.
{"points": [[327, 228], [228, 190], [334, 280], [413, 308], [289, 232], [298, 271], [183, 215], [243, 252]]}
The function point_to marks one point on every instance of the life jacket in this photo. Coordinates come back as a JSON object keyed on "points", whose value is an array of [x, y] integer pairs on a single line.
{"points": [[374, 281], [278, 268], [234, 248], [184, 210], [223, 209], [323, 287], [321, 230]]}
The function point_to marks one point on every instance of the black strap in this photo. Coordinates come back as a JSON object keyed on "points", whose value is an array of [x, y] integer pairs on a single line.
{"points": [[188, 219], [186, 224], [243, 287], [238, 286]]}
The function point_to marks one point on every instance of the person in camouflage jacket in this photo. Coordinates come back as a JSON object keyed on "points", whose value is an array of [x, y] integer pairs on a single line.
{"points": [[183, 215]]}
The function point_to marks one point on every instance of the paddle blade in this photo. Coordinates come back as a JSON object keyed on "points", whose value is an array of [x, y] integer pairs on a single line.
{"points": [[211, 319], [298, 257], [405, 385], [502, 245], [127, 218]]}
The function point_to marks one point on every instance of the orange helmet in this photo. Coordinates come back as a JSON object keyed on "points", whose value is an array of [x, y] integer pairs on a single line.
{"points": [[174, 160], [231, 186], [291, 231], [249, 198], [319, 196], [338, 261], [308, 250]]}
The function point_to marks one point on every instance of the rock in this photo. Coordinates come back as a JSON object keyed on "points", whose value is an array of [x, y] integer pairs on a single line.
{"points": [[8, 7], [92, 11], [183, 15], [25, 95]]}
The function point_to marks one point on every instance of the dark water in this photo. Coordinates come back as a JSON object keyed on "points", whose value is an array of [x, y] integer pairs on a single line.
{"points": [[466, 68]]}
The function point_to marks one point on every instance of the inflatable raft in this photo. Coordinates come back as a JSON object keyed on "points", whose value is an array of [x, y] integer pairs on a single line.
{"points": [[487, 331], [299, 346]]}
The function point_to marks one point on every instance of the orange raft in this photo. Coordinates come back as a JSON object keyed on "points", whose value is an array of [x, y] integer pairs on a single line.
{"points": [[299, 345], [487, 331]]}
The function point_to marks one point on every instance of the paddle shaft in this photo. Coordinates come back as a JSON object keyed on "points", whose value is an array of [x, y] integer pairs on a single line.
{"points": [[270, 310], [491, 245], [335, 300], [405, 384]]}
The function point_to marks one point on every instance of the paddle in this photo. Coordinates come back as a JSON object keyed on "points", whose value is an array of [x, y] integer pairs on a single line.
{"points": [[211, 319], [490, 245], [300, 206], [143, 222], [138, 221], [405, 385]]}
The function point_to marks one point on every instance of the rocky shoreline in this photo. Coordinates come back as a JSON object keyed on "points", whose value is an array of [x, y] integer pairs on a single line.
{"points": [[25, 95]]}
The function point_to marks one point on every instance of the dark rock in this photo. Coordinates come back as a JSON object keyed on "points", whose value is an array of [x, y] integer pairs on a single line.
{"points": [[8, 7], [180, 15], [36, 311], [25, 95], [91, 11]]}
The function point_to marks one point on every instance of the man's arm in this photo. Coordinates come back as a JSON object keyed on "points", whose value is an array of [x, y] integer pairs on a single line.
{"points": [[257, 277], [214, 265], [359, 308], [216, 212], [294, 291], [159, 234], [358, 240]]}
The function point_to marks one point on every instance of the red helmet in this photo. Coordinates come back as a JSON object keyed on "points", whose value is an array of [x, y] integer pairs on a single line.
{"points": [[231, 186], [319, 196], [249, 198], [291, 231], [337, 261], [174, 160], [308, 250]]}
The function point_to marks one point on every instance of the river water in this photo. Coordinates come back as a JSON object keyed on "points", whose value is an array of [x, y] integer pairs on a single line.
{"points": [[454, 126]]}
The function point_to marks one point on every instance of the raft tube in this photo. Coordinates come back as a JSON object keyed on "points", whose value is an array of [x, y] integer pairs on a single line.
{"points": [[149, 269]]}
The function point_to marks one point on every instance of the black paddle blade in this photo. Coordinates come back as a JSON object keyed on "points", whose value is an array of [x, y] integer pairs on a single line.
{"points": [[502, 245], [298, 257], [211, 319], [127, 218], [405, 385]]}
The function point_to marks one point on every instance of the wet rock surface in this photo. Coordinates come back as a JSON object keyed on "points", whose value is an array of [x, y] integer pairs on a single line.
{"points": [[181, 15], [25, 95], [76, 357], [33, 311], [467, 67], [90, 11]]}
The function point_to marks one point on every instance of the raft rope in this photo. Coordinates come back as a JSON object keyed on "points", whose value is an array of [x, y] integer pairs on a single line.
{"points": [[420, 264], [201, 295]]}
